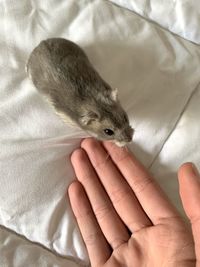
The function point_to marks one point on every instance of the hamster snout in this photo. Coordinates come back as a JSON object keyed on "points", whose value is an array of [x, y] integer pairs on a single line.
{"points": [[126, 137]]}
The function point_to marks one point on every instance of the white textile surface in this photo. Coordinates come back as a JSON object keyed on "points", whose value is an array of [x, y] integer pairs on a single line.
{"points": [[157, 75], [179, 16], [15, 251]]}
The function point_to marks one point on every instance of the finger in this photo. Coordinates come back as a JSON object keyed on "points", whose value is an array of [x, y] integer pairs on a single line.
{"points": [[189, 183], [110, 223], [153, 200], [97, 246], [120, 193]]}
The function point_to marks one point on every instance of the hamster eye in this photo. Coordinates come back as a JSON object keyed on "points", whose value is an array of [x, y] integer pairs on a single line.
{"points": [[108, 131]]}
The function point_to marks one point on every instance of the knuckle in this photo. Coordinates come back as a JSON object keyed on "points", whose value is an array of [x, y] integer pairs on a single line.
{"points": [[99, 156], [92, 238], [122, 155], [117, 195], [102, 211], [83, 215], [103, 162], [141, 185], [85, 179]]}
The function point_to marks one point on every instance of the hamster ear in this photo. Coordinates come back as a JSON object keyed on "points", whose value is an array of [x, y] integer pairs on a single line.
{"points": [[114, 94], [88, 117]]}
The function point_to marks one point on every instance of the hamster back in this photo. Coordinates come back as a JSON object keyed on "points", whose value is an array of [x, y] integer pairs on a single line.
{"points": [[61, 71]]}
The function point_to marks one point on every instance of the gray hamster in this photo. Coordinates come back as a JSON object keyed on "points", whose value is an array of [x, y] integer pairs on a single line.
{"points": [[61, 71]]}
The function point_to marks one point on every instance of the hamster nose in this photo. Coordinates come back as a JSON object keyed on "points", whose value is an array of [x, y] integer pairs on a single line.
{"points": [[129, 134]]}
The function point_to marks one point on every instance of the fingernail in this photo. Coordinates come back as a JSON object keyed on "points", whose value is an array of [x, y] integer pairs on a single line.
{"points": [[195, 170]]}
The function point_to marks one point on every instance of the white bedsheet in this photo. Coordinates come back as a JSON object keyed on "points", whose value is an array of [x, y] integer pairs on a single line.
{"points": [[181, 17], [157, 75]]}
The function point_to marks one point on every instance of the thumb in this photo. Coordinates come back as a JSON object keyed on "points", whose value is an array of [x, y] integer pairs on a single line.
{"points": [[189, 188]]}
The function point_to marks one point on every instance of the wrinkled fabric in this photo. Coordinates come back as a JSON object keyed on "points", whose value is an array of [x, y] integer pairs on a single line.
{"points": [[181, 17], [16, 251], [157, 75]]}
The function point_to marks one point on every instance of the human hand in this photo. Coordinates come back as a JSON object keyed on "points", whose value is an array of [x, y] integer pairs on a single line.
{"points": [[123, 215]]}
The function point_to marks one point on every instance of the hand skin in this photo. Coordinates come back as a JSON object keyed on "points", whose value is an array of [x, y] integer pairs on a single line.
{"points": [[124, 216]]}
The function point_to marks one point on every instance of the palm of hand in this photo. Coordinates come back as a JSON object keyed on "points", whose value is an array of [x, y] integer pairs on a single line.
{"points": [[124, 217], [161, 245]]}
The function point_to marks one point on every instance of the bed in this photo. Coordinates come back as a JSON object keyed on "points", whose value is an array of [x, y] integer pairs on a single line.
{"points": [[150, 51]]}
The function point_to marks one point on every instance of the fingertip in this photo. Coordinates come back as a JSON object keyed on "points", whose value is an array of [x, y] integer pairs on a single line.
{"points": [[77, 156], [189, 181], [111, 145], [119, 153], [95, 151], [77, 198], [74, 190], [188, 170], [89, 143], [184, 168], [114, 149], [84, 141], [189, 189]]}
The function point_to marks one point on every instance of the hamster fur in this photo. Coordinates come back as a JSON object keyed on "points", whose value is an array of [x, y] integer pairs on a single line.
{"points": [[61, 71]]}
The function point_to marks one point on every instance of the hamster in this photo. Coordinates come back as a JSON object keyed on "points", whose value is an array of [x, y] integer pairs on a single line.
{"points": [[61, 71]]}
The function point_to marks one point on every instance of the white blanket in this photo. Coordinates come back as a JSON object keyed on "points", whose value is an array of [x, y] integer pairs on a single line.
{"points": [[157, 75], [181, 17]]}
